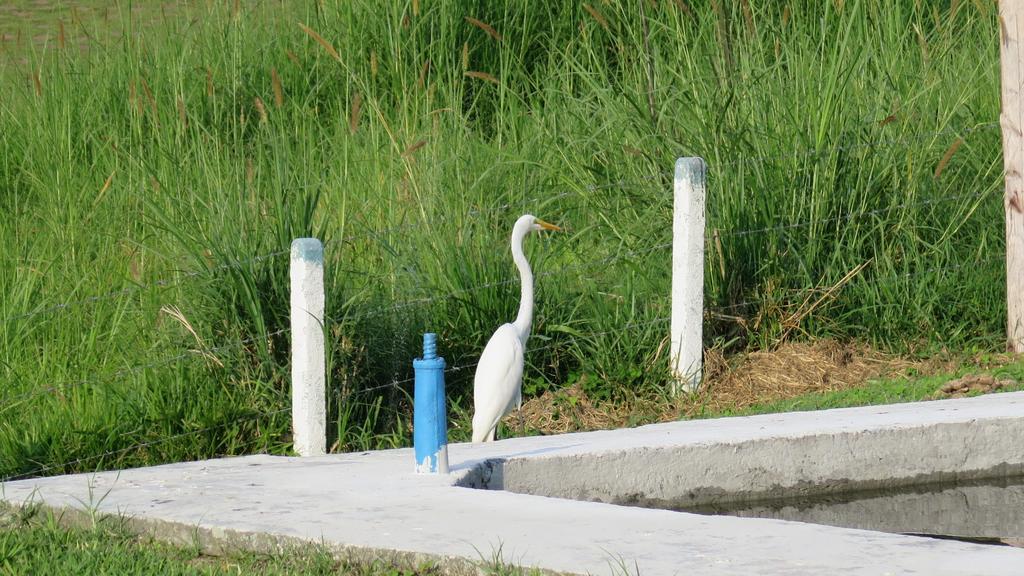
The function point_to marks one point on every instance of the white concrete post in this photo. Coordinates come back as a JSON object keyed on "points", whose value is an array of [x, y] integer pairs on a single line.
{"points": [[688, 275], [309, 410]]}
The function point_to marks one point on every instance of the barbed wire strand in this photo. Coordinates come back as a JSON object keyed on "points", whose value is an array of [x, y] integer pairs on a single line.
{"points": [[891, 143], [876, 281], [162, 283], [188, 355], [460, 291], [195, 354], [608, 260], [850, 216], [238, 264], [423, 301], [709, 310], [118, 452], [398, 383], [807, 152]]}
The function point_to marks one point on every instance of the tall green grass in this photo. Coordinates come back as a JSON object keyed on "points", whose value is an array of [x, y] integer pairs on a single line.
{"points": [[409, 138]]}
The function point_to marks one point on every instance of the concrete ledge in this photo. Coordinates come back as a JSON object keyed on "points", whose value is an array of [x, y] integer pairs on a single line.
{"points": [[828, 462], [372, 504]]}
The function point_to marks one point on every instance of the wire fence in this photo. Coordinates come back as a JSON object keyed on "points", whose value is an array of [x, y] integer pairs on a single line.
{"points": [[353, 313], [710, 312], [813, 154], [238, 264], [189, 355], [397, 384], [69, 464], [848, 217]]}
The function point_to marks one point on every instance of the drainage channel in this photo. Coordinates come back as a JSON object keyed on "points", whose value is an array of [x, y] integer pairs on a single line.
{"points": [[989, 511], [981, 506], [944, 476]]}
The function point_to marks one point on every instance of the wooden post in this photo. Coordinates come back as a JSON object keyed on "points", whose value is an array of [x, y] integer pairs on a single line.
{"points": [[687, 356], [1011, 18]]}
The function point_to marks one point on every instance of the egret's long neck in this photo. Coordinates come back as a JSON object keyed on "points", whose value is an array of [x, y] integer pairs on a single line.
{"points": [[525, 316]]}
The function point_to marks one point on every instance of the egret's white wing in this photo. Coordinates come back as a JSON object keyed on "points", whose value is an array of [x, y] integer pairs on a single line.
{"points": [[498, 380]]}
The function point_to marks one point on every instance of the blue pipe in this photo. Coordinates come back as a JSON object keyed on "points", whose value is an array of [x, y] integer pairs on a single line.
{"points": [[430, 416]]}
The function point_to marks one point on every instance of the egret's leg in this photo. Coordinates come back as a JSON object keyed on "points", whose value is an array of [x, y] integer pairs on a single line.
{"points": [[521, 420], [494, 434]]}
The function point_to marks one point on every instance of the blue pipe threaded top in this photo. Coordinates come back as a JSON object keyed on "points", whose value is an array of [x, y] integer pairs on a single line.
{"points": [[429, 346]]}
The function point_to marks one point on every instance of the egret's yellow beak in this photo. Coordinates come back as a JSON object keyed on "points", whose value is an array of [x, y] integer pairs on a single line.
{"points": [[547, 225]]}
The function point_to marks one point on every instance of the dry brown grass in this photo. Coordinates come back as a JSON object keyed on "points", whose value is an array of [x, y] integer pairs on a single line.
{"points": [[982, 383], [413, 148], [182, 113], [483, 76], [686, 8], [487, 28], [596, 15], [566, 410], [210, 90], [792, 370], [327, 46], [106, 186], [424, 70], [275, 82], [947, 156], [261, 108], [149, 96], [133, 99]]}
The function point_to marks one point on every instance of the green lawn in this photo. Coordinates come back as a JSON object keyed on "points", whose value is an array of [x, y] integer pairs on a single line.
{"points": [[33, 542], [45, 547]]}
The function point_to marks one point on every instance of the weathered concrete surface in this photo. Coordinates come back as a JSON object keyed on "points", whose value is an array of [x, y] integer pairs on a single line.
{"points": [[362, 503]]}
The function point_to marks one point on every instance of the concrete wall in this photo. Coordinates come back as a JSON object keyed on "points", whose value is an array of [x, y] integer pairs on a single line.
{"points": [[806, 465]]}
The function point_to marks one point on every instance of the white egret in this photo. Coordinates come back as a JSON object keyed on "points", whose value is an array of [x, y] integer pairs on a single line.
{"points": [[497, 386]]}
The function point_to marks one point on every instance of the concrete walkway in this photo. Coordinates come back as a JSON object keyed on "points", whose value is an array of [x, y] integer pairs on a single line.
{"points": [[371, 505]]}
